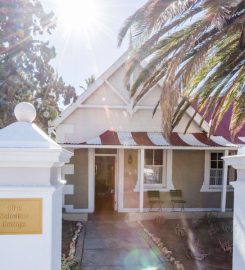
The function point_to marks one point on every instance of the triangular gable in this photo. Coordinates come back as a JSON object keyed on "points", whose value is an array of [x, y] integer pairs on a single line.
{"points": [[93, 87], [112, 81], [117, 81], [104, 95]]}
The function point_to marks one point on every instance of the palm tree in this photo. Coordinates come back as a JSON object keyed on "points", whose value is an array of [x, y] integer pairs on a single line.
{"points": [[196, 48], [90, 80]]}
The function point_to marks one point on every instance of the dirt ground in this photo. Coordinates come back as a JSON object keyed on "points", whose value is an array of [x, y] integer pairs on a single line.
{"points": [[68, 228], [206, 236]]}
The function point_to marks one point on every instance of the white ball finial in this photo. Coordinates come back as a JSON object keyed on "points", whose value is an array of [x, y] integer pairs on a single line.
{"points": [[25, 112]]}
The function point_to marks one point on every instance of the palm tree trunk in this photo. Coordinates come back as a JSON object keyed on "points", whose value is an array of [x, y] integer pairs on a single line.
{"points": [[242, 39]]}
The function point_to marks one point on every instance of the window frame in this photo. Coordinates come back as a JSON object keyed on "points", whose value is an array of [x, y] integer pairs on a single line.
{"points": [[217, 160], [163, 183], [206, 187], [167, 173]]}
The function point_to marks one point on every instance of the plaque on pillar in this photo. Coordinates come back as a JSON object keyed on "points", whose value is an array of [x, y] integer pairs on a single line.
{"points": [[30, 194], [21, 216]]}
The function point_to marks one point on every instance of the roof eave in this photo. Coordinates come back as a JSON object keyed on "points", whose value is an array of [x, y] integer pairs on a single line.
{"points": [[170, 147]]}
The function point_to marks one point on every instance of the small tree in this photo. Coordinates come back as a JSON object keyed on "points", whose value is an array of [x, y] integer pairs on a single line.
{"points": [[90, 80]]}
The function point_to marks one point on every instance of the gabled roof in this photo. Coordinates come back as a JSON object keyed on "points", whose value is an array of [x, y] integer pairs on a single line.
{"points": [[104, 79], [223, 127]]}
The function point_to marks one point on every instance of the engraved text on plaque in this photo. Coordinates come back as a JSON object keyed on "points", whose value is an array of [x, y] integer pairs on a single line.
{"points": [[21, 216]]}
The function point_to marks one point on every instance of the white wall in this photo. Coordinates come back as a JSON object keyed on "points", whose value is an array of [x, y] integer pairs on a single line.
{"points": [[89, 123], [238, 162], [29, 252]]}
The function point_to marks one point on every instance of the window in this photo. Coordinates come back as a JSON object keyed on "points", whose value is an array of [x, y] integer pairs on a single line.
{"points": [[153, 168], [214, 166], [157, 170], [216, 169]]}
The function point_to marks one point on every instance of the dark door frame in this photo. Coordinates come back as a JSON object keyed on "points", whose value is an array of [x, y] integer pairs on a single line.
{"points": [[115, 200]]}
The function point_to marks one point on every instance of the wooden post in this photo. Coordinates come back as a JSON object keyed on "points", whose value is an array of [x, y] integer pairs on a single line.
{"points": [[91, 181], [120, 179], [142, 163]]}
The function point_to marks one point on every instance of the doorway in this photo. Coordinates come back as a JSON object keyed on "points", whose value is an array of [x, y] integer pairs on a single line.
{"points": [[105, 171]]}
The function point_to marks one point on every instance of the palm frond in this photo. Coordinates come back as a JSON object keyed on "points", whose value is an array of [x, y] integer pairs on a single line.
{"points": [[196, 48]]}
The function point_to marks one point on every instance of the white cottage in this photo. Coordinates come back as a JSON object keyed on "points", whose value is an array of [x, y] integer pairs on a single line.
{"points": [[121, 155]]}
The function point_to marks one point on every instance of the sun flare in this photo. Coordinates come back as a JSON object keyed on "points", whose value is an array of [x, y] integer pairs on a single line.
{"points": [[78, 16]]}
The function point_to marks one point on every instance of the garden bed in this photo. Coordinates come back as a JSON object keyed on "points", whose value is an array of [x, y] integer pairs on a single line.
{"points": [[198, 244], [68, 229], [70, 234]]}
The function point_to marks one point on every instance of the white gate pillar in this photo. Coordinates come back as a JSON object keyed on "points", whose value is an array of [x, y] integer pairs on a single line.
{"points": [[30, 195], [238, 162]]}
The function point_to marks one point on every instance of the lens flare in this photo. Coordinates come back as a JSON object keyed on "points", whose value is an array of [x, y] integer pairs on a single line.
{"points": [[78, 15]]}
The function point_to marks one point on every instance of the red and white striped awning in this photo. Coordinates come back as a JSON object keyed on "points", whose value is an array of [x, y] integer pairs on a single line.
{"points": [[148, 139]]}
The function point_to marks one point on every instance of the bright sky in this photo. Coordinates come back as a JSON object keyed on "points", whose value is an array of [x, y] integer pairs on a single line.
{"points": [[86, 35]]}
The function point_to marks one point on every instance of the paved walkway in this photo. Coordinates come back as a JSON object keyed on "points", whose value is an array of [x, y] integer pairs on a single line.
{"points": [[118, 245]]}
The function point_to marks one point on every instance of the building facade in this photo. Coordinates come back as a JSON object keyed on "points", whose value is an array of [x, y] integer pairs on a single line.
{"points": [[120, 153]]}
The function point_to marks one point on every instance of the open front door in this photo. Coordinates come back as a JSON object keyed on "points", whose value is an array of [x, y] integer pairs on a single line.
{"points": [[104, 183]]}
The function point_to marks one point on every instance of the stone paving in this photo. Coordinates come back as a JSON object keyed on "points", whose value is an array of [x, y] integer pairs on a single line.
{"points": [[119, 245]]}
